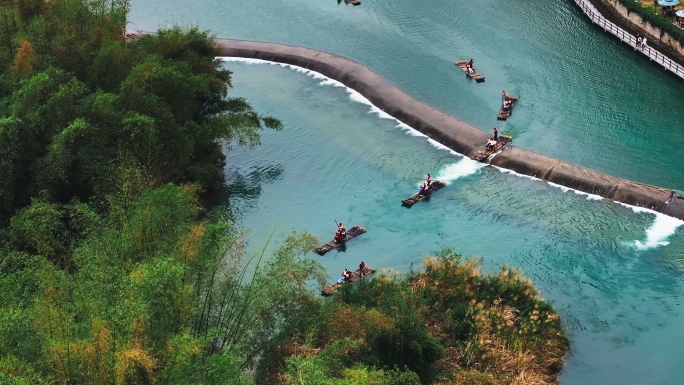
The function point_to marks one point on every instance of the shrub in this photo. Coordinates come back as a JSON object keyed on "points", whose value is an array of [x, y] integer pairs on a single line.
{"points": [[449, 323]]}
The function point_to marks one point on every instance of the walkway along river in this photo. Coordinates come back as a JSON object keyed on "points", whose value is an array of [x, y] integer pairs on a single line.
{"points": [[653, 54], [451, 132]]}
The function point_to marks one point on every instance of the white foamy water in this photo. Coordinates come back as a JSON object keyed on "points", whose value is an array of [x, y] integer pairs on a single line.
{"points": [[494, 154], [353, 95], [591, 197], [325, 81], [409, 130], [659, 231], [662, 228], [453, 171], [464, 167], [507, 171], [440, 146]]}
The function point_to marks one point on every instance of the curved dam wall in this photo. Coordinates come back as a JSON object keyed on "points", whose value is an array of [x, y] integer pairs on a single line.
{"points": [[451, 132]]}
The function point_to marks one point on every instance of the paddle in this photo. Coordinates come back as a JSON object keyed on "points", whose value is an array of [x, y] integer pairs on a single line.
{"points": [[337, 226]]}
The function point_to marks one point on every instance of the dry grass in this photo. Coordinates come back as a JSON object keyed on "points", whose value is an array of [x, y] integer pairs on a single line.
{"points": [[495, 329], [356, 323], [471, 377], [506, 346]]}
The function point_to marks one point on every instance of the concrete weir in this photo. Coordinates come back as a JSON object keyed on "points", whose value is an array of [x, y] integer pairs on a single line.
{"points": [[451, 132]]}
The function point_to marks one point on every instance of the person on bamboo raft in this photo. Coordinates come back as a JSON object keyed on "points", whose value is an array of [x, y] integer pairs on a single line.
{"points": [[346, 275], [424, 188], [507, 104], [428, 180], [490, 144], [341, 233]]}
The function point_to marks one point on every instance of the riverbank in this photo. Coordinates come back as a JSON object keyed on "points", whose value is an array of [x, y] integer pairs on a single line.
{"points": [[451, 132]]}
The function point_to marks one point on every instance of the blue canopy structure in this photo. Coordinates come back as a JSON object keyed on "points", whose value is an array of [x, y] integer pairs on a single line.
{"points": [[668, 3], [680, 13]]}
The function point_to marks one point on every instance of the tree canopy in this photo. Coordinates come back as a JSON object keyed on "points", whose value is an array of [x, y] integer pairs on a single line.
{"points": [[80, 102]]}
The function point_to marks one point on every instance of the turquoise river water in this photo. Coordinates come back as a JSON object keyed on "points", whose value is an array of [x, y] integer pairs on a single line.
{"points": [[614, 273]]}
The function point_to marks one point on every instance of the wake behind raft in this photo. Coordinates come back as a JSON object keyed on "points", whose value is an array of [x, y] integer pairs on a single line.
{"points": [[351, 234], [415, 198], [492, 146]]}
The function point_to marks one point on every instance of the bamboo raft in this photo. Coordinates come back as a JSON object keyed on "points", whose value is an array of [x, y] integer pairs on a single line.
{"points": [[505, 113], [351, 234], [352, 2], [484, 153], [462, 65], [356, 276], [435, 186]]}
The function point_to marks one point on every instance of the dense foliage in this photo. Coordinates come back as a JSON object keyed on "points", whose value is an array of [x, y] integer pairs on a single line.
{"points": [[79, 104], [113, 272], [446, 324], [110, 271], [158, 297]]}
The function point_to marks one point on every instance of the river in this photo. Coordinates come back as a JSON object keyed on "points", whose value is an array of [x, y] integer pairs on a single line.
{"points": [[613, 274]]}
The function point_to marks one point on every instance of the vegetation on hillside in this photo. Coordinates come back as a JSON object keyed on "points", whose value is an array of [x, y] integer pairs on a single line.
{"points": [[161, 296], [447, 324], [113, 272], [81, 106]]}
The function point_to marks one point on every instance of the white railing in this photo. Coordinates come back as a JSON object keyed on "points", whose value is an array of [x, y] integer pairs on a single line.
{"points": [[653, 54]]}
